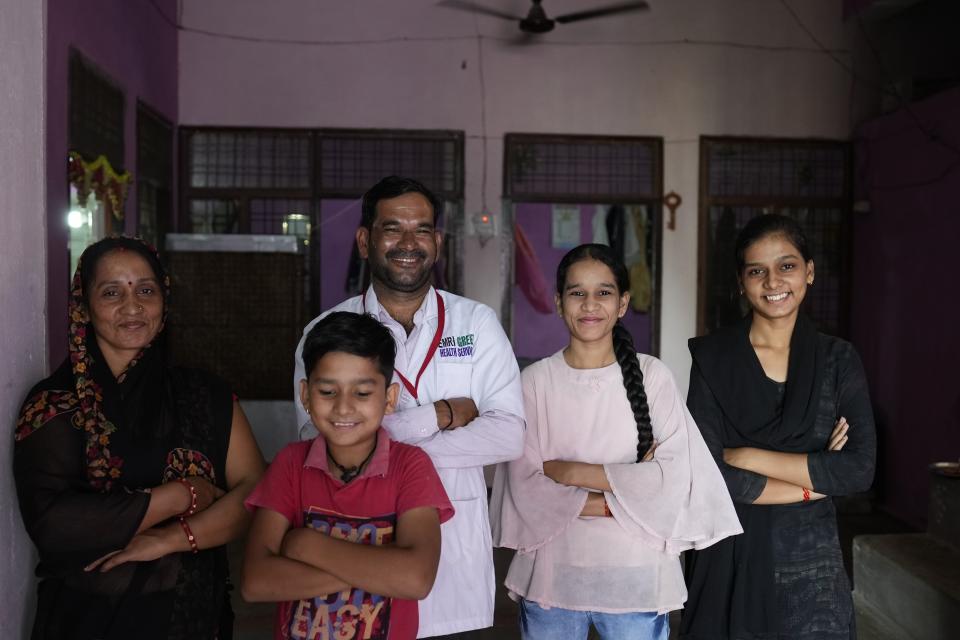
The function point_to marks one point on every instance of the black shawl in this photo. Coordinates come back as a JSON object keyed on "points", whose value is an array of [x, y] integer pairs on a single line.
{"points": [[731, 584]]}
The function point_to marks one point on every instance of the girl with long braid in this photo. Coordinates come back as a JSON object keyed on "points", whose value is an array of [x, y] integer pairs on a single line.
{"points": [[615, 480]]}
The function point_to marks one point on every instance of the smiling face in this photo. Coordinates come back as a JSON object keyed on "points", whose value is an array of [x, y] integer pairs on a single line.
{"points": [[346, 397], [402, 243], [775, 277], [590, 303], [125, 306]]}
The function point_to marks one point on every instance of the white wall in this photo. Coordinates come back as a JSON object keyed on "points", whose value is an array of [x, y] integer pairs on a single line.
{"points": [[22, 279], [679, 71]]}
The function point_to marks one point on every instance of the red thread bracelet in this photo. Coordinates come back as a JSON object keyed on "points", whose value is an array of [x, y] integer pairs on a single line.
{"points": [[606, 508], [190, 537], [192, 509], [806, 494]]}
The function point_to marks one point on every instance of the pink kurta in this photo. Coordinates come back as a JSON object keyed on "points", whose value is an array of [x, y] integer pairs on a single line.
{"points": [[675, 501]]}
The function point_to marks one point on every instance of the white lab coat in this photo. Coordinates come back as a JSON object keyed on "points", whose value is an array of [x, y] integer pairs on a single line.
{"points": [[477, 363]]}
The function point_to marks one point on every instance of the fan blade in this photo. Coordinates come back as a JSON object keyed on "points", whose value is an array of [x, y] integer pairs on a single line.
{"points": [[463, 5], [599, 12]]}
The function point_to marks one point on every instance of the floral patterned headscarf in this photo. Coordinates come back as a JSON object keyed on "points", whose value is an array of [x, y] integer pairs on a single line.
{"points": [[102, 467]]}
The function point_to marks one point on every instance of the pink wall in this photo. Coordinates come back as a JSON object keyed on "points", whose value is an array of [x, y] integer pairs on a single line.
{"points": [[537, 335], [137, 48], [22, 283], [905, 305]]}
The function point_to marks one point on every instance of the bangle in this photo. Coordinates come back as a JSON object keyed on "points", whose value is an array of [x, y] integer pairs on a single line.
{"points": [[806, 494], [192, 509], [606, 508], [190, 537], [450, 409]]}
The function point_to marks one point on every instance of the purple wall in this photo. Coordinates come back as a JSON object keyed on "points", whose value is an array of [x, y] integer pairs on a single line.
{"points": [[905, 306], [137, 48], [536, 335], [339, 220]]}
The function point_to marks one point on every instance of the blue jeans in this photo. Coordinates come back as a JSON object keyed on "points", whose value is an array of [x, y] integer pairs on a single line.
{"points": [[537, 623]]}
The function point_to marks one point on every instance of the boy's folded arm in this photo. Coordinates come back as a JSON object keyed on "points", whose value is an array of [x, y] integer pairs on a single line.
{"points": [[268, 576], [405, 569]]}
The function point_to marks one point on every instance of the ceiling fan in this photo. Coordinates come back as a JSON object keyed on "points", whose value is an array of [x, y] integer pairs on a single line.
{"points": [[537, 21]]}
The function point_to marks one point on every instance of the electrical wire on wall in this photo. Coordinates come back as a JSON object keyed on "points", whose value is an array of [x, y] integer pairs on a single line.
{"points": [[888, 89], [670, 42]]}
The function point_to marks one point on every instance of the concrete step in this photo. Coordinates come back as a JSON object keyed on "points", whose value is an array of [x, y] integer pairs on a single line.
{"points": [[907, 585]]}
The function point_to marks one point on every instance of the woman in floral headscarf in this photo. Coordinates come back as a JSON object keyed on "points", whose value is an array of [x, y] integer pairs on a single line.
{"points": [[131, 473]]}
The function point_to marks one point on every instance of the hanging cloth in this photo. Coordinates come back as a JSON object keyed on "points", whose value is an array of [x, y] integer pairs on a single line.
{"points": [[530, 276], [641, 285]]}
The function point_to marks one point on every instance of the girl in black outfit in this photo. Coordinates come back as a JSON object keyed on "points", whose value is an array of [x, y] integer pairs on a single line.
{"points": [[786, 413]]}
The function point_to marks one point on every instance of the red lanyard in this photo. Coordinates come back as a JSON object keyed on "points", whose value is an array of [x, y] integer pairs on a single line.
{"points": [[434, 344]]}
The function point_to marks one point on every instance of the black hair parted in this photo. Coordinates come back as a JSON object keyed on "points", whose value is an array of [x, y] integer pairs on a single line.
{"points": [[92, 255], [354, 333], [770, 224], [623, 347], [391, 187]]}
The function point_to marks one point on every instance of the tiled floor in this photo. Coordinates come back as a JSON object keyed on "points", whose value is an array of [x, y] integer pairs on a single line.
{"points": [[255, 621]]}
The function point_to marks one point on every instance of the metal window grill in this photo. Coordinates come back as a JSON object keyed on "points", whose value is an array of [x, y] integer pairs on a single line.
{"points": [[782, 170], [96, 113], [214, 216], [154, 174], [587, 169], [805, 180], [826, 234], [261, 159], [267, 214], [350, 162], [147, 214], [154, 148]]}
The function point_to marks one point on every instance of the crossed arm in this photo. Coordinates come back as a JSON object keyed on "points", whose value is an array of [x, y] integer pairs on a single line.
{"points": [[283, 564], [586, 476], [221, 518], [787, 473], [760, 476]]}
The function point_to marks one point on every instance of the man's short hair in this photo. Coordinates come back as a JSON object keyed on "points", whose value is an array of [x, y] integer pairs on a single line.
{"points": [[391, 187], [354, 333]]}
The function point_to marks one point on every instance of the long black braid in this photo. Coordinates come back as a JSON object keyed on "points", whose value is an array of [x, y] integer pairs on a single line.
{"points": [[622, 340], [633, 383]]}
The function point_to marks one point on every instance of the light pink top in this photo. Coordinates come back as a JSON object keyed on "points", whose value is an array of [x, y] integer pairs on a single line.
{"points": [[676, 501]]}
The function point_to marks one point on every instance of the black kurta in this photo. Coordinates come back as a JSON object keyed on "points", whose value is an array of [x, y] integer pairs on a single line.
{"points": [[182, 595], [811, 589]]}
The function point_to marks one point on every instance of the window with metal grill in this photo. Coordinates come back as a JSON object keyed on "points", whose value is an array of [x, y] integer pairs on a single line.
{"points": [[351, 161], [250, 180], [543, 168], [96, 113], [258, 159], [154, 175], [807, 180]]}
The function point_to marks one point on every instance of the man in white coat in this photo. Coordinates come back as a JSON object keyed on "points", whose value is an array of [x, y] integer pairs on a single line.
{"points": [[460, 389]]}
